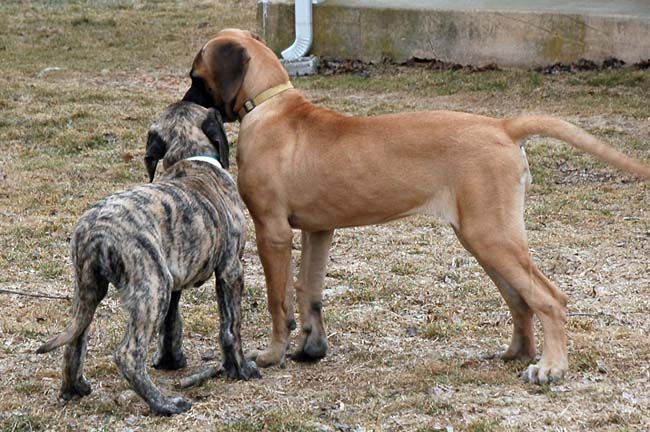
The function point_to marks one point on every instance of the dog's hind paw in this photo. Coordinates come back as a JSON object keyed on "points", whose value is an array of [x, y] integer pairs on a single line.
{"points": [[248, 370], [75, 391], [536, 374], [171, 406], [508, 356], [170, 361]]}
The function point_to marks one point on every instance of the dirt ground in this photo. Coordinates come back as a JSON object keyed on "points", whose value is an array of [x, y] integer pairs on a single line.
{"points": [[410, 315]]}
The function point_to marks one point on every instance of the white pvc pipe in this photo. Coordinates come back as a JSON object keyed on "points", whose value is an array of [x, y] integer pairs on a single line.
{"points": [[304, 35]]}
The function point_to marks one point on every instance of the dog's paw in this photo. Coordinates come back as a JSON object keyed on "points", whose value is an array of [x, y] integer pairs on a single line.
{"points": [[170, 361], [524, 357], [266, 358], [248, 370], [313, 348], [171, 406], [507, 356], [538, 374], [521, 351], [75, 391]]}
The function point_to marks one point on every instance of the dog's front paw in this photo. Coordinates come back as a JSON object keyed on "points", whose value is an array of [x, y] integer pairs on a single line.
{"points": [[76, 390], [313, 348], [250, 370], [247, 370], [540, 374], [171, 406], [267, 358], [170, 361]]}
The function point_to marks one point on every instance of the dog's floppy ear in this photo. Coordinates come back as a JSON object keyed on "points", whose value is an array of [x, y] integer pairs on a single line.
{"points": [[155, 151], [213, 128], [231, 61]]}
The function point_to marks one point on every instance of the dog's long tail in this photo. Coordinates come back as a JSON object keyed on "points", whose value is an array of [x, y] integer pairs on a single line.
{"points": [[81, 319], [522, 127]]}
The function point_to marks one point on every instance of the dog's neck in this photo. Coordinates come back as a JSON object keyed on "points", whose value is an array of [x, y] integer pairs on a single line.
{"points": [[250, 104], [178, 153], [262, 77]]}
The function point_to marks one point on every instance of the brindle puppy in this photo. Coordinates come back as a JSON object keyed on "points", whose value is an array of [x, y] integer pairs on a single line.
{"points": [[153, 241]]}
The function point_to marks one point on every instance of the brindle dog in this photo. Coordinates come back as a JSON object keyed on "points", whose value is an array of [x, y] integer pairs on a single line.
{"points": [[153, 241]]}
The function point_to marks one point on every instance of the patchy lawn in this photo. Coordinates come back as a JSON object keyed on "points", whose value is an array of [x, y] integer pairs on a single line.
{"points": [[409, 313]]}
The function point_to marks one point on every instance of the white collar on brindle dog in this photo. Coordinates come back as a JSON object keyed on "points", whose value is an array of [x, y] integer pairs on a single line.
{"points": [[212, 160]]}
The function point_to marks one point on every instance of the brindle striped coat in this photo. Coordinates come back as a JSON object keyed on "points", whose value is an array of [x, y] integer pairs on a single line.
{"points": [[153, 241]]}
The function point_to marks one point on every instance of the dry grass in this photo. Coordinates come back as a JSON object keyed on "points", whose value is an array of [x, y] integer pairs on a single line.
{"points": [[410, 312]]}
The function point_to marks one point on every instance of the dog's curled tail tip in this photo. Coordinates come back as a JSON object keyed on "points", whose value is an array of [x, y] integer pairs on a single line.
{"points": [[75, 328], [49, 346], [57, 341], [43, 349]]}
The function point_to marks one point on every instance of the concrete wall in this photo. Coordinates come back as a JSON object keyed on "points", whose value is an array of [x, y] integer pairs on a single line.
{"points": [[366, 30]]}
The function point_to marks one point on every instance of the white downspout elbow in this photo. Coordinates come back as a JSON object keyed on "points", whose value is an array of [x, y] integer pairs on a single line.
{"points": [[304, 35]]}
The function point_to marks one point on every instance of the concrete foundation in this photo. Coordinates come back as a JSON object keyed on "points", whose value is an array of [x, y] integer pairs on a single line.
{"points": [[302, 66], [522, 33]]}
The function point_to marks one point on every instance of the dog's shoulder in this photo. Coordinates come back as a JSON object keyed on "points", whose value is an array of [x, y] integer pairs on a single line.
{"points": [[129, 201], [200, 176]]}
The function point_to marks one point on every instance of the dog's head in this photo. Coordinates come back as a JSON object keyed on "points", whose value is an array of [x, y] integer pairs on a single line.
{"points": [[233, 66], [184, 130]]}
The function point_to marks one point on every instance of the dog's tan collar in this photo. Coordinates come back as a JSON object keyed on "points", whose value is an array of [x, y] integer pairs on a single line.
{"points": [[250, 104]]}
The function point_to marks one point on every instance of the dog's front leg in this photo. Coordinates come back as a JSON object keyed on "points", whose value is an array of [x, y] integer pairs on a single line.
{"points": [[313, 265], [230, 284], [274, 246]]}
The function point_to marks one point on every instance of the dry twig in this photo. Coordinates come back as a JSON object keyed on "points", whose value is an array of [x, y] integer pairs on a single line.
{"points": [[38, 295], [200, 377]]}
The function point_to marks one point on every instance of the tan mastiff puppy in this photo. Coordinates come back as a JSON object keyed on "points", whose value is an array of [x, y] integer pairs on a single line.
{"points": [[306, 167]]}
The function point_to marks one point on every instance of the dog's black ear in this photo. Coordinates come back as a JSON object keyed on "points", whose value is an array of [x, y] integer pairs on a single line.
{"points": [[213, 128], [231, 61], [155, 151]]}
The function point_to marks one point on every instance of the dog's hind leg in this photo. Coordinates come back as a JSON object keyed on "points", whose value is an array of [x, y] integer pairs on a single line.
{"points": [[170, 340], [229, 286], [522, 344], [147, 308], [90, 289], [313, 265], [493, 231]]}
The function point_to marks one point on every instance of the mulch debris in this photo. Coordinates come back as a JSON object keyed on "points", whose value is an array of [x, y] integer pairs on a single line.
{"points": [[588, 65], [332, 66]]}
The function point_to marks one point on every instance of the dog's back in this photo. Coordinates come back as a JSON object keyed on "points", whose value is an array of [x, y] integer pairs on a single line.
{"points": [[164, 222], [181, 223]]}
